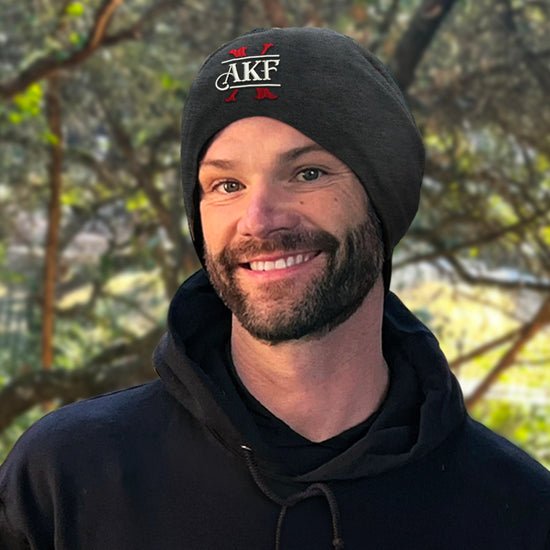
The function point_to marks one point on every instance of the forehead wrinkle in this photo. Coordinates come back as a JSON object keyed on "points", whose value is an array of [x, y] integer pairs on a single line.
{"points": [[285, 157], [297, 152], [217, 163]]}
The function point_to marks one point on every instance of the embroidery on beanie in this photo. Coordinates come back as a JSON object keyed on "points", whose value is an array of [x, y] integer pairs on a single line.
{"points": [[249, 71]]}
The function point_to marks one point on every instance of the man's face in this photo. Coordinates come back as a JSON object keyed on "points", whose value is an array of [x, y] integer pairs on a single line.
{"points": [[290, 244]]}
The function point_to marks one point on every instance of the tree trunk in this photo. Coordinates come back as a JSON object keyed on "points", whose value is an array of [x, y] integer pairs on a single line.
{"points": [[53, 106]]}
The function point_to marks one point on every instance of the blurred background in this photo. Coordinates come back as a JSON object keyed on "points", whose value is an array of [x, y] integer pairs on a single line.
{"points": [[93, 237]]}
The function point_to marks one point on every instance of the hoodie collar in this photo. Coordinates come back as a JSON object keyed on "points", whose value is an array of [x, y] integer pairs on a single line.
{"points": [[423, 406]]}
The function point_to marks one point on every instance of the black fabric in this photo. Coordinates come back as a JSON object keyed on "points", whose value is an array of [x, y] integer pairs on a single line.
{"points": [[298, 454], [162, 465], [408, 428]]}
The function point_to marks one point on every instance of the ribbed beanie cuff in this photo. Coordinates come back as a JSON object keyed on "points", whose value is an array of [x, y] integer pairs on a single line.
{"points": [[329, 88]]}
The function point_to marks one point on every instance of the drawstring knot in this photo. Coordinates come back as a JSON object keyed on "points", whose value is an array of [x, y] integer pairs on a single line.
{"points": [[313, 490]]}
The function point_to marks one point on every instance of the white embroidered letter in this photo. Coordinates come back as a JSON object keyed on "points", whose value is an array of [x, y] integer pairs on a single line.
{"points": [[231, 72], [268, 68], [250, 71]]}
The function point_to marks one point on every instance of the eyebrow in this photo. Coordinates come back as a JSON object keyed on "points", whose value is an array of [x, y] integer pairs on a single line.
{"points": [[297, 152], [287, 156], [217, 163]]}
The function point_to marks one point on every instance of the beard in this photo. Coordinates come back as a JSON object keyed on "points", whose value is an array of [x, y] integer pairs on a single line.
{"points": [[284, 310]]}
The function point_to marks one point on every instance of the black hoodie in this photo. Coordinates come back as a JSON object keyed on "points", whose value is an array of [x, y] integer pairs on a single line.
{"points": [[180, 463]]}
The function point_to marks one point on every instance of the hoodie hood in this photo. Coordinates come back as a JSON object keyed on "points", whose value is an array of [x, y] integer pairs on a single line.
{"points": [[423, 407]]}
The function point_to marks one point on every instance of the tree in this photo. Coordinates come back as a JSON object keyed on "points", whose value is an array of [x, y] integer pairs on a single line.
{"points": [[475, 75]]}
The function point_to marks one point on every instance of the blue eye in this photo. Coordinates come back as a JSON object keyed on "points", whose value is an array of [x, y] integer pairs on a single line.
{"points": [[310, 174]]}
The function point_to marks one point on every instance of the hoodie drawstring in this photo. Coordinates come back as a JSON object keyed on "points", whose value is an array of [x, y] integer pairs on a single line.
{"points": [[313, 490]]}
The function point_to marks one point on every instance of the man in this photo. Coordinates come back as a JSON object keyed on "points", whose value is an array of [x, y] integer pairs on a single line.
{"points": [[307, 408]]}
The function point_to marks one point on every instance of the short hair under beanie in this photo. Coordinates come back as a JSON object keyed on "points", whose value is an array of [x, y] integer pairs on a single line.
{"points": [[326, 86]]}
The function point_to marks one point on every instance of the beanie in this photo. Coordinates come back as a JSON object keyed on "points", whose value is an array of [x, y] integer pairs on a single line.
{"points": [[329, 88]]}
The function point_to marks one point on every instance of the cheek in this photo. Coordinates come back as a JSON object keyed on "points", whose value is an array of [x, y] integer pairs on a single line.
{"points": [[216, 227], [349, 208], [359, 203], [209, 227]]}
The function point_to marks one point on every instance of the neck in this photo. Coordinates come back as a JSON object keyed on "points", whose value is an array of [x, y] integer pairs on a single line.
{"points": [[319, 387]]}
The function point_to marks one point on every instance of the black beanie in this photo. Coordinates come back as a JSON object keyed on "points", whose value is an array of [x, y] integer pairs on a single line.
{"points": [[326, 86]]}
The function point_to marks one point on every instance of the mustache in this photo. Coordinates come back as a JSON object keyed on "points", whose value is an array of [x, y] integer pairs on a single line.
{"points": [[281, 242]]}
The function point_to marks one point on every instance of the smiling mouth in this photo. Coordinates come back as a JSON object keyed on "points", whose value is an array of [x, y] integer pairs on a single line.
{"points": [[280, 263]]}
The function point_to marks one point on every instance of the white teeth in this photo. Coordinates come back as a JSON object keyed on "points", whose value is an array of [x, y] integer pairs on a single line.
{"points": [[281, 263]]}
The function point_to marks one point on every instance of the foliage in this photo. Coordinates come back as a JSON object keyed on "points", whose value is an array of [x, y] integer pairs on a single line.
{"points": [[479, 95]]}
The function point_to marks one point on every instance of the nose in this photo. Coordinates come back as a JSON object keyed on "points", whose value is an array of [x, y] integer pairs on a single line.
{"points": [[268, 209]]}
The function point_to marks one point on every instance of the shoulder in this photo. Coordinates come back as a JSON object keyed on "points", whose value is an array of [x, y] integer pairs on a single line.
{"points": [[76, 428], [103, 411], [492, 449], [87, 441], [500, 468], [491, 485]]}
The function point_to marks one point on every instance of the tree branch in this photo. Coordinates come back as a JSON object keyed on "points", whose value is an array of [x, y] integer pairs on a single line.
{"points": [[52, 62], [48, 64], [442, 251], [135, 31], [455, 364], [383, 29], [532, 61], [416, 39], [97, 377], [102, 20], [526, 334], [143, 174], [275, 13], [465, 275]]}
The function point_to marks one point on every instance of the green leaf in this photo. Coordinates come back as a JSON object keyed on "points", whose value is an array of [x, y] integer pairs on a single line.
{"points": [[76, 9], [50, 138], [71, 197], [167, 81], [16, 118], [137, 202], [28, 103], [542, 163], [76, 38], [545, 234]]}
